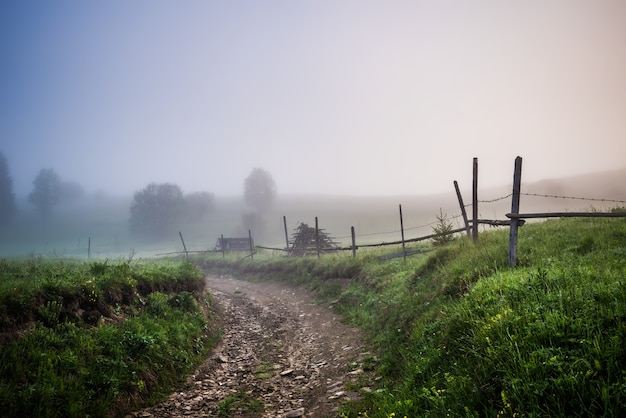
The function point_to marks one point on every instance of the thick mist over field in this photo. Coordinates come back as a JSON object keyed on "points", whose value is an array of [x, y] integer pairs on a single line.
{"points": [[353, 107], [105, 219]]}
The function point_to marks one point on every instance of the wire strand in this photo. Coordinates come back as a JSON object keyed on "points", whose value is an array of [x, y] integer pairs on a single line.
{"points": [[573, 198]]}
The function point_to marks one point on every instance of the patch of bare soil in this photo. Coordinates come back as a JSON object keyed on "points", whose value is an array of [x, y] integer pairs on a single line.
{"points": [[281, 355]]}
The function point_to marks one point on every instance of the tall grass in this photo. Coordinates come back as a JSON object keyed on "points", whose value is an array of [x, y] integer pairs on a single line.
{"points": [[97, 339], [459, 333]]}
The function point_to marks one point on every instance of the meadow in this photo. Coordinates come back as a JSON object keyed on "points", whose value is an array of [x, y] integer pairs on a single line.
{"points": [[453, 332]]}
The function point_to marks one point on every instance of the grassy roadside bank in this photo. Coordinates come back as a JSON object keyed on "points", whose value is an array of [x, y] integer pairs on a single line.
{"points": [[459, 333], [97, 338]]}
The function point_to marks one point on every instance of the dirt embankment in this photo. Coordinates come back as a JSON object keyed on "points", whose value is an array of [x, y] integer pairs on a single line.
{"points": [[281, 355]]}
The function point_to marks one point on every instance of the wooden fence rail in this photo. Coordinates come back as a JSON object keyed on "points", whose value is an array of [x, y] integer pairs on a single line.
{"points": [[516, 217], [566, 215]]}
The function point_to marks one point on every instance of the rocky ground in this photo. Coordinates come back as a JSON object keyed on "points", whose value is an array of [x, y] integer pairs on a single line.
{"points": [[282, 355]]}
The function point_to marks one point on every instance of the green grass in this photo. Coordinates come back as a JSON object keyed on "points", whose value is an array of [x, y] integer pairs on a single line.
{"points": [[99, 338], [454, 332], [457, 332], [239, 403]]}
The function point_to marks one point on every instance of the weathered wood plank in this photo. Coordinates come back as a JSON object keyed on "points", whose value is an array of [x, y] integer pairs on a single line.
{"points": [[566, 215]]}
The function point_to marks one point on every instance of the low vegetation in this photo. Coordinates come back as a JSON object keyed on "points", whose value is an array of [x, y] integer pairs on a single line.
{"points": [[457, 332], [454, 332], [98, 338]]}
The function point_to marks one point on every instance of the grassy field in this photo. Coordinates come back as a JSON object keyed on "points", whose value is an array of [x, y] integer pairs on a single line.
{"points": [[454, 332], [457, 332], [100, 338]]}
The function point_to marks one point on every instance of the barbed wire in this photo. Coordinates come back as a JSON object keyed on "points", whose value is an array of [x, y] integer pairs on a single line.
{"points": [[397, 231], [469, 205], [451, 218], [550, 196], [496, 199], [574, 198]]}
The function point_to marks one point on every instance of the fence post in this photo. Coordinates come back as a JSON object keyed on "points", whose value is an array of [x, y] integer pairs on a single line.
{"points": [[317, 239], [402, 232], [517, 181], [184, 246], [89, 248], [286, 235], [475, 200], [223, 247], [353, 242], [463, 212], [251, 245]]}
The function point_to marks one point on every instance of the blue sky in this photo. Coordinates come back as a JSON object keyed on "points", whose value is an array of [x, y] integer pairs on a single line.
{"points": [[332, 97]]}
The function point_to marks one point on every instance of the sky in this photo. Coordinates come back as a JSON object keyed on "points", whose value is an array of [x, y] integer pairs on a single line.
{"points": [[334, 97]]}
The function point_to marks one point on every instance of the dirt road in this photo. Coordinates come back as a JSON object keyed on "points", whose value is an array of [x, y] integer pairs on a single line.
{"points": [[281, 355]]}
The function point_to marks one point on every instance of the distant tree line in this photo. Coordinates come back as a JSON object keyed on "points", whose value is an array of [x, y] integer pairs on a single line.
{"points": [[48, 191], [155, 210], [158, 208]]}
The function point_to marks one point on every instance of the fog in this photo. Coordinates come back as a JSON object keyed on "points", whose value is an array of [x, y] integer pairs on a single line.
{"points": [[353, 107], [98, 225], [350, 98]]}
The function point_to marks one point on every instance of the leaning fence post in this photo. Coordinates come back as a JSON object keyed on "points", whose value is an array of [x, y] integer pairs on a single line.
{"points": [[463, 212], [251, 245], [353, 242], [286, 235], [317, 239], [517, 181], [475, 200], [184, 246], [402, 231]]}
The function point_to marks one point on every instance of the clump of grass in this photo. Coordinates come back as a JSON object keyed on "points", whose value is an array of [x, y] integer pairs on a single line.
{"points": [[240, 403]]}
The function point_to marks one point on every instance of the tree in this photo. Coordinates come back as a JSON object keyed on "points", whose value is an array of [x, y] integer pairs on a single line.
{"points": [[46, 191], [260, 190], [7, 198], [198, 204], [156, 209], [443, 230]]}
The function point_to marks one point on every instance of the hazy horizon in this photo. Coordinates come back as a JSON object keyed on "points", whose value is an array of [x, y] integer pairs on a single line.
{"points": [[103, 221], [362, 98]]}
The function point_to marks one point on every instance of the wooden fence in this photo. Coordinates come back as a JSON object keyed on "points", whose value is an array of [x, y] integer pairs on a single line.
{"points": [[514, 221], [517, 217]]}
